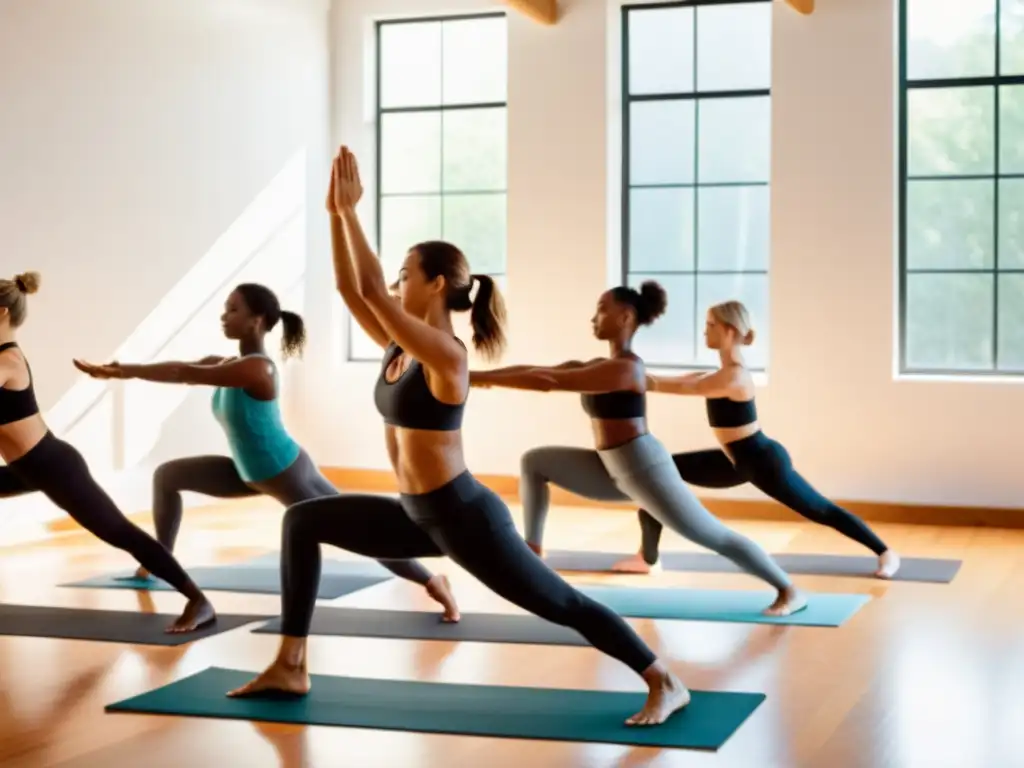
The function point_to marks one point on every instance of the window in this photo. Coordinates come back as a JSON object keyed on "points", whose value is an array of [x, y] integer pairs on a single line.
{"points": [[441, 143], [696, 165], [961, 232]]}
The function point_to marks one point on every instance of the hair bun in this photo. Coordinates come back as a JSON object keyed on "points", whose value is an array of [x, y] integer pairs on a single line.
{"points": [[654, 301], [27, 282]]}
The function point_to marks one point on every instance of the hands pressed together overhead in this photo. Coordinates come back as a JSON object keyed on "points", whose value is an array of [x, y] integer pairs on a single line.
{"points": [[346, 188]]}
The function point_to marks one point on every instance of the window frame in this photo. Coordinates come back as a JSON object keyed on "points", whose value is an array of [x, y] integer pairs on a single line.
{"points": [[379, 112], [627, 100], [904, 86]]}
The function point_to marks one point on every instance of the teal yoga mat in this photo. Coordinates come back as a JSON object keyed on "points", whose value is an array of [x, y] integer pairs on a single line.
{"points": [[824, 609], [471, 710], [258, 576]]}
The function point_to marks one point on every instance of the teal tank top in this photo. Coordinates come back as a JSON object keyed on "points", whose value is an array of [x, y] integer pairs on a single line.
{"points": [[260, 445]]}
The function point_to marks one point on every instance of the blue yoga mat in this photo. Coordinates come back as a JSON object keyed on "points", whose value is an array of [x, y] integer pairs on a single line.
{"points": [[823, 609], [477, 710], [260, 575]]}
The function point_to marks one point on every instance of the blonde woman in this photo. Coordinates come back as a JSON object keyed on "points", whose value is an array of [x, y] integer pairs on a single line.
{"points": [[747, 455]]}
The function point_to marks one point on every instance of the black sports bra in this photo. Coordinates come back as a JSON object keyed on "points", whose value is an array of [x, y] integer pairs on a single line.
{"points": [[623, 404], [723, 412], [17, 404], [409, 403]]}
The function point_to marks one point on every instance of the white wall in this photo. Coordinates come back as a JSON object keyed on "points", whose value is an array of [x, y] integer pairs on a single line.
{"points": [[151, 154], [832, 396]]}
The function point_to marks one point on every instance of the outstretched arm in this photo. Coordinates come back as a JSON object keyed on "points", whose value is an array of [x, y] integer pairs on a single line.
{"points": [[344, 275], [243, 372], [715, 384], [434, 348], [597, 376]]}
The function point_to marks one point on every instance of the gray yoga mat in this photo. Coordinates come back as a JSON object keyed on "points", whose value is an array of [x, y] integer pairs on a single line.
{"points": [[260, 575], [911, 568], [131, 627]]}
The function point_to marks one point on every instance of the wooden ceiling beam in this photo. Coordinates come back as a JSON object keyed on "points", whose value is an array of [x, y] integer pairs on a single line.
{"points": [[541, 11], [806, 7]]}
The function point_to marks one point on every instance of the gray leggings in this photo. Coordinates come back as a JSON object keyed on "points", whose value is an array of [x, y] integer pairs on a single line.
{"points": [[217, 476], [642, 471]]}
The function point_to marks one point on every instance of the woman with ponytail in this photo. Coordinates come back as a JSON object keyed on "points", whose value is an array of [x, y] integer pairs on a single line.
{"points": [[629, 462], [265, 459], [36, 460], [442, 509], [746, 454]]}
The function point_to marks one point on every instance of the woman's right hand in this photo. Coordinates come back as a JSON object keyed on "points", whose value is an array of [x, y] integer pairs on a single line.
{"points": [[108, 371]]}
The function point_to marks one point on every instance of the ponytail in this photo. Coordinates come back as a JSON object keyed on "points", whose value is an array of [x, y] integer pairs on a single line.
{"points": [[487, 316], [293, 338]]}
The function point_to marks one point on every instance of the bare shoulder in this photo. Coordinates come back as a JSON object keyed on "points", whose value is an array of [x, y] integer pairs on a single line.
{"points": [[740, 382]]}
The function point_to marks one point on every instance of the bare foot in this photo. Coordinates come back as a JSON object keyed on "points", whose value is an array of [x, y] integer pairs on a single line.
{"points": [[636, 564], [789, 601], [277, 678], [440, 589], [142, 573], [537, 548], [198, 613], [888, 564], [667, 695]]}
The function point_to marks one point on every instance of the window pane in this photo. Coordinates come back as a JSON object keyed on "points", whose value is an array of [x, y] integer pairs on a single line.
{"points": [[951, 131], [1011, 51], [405, 221], [410, 64], [660, 50], [661, 142], [735, 140], [410, 152], [661, 229], [950, 38], [733, 228], [949, 321], [475, 150], [950, 224], [475, 53], [734, 47], [1011, 223], [476, 224], [669, 341], [361, 346], [1011, 322], [752, 290], [1011, 128]]}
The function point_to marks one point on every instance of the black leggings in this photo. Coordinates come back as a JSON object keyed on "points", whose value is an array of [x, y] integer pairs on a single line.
{"points": [[765, 464], [58, 470], [217, 476], [463, 520]]}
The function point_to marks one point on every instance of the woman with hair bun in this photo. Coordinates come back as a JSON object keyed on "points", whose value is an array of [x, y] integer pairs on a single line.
{"points": [[628, 461], [746, 455], [36, 460], [265, 459]]}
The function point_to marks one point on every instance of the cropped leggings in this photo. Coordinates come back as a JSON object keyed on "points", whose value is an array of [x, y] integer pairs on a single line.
{"points": [[56, 469], [641, 470], [217, 476], [463, 520], [765, 464]]}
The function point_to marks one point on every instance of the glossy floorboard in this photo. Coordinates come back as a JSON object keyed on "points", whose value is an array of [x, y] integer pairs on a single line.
{"points": [[925, 675]]}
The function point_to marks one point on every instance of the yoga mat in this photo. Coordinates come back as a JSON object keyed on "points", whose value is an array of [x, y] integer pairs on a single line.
{"points": [[471, 710], [823, 609], [107, 626], [424, 625], [911, 568], [260, 576]]}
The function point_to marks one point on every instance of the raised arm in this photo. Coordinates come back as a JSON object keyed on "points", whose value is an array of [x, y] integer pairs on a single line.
{"points": [[344, 275], [434, 348], [721, 383], [597, 376], [250, 373]]}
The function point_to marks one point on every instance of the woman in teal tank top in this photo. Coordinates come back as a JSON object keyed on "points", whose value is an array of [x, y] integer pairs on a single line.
{"points": [[264, 460]]}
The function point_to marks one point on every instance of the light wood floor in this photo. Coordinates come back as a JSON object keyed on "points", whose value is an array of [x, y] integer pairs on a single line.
{"points": [[925, 675]]}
